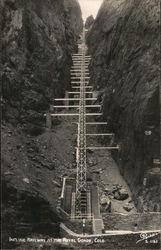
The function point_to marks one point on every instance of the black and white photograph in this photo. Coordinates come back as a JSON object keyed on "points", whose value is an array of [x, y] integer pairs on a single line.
{"points": [[80, 124]]}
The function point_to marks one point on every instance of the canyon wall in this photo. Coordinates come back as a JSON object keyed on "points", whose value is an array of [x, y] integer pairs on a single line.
{"points": [[38, 38], [124, 44], [37, 42]]}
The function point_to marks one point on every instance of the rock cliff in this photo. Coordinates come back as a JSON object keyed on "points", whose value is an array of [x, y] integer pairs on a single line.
{"points": [[38, 38], [124, 44], [37, 42], [89, 22]]}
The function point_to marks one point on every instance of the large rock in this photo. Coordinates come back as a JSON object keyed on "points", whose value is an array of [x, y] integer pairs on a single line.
{"points": [[122, 194], [128, 207], [105, 203]]}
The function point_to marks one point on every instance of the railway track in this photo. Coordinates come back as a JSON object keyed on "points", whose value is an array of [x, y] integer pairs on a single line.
{"points": [[81, 102]]}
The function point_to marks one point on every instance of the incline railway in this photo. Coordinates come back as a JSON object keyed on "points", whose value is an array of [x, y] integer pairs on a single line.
{"points": [[79, 199]]}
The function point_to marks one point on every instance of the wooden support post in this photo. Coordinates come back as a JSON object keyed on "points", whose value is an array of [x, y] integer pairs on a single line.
{"points": [[51, 109], [95, 94], [66, 102], [89, 205], [77, 156], [48, 120]]}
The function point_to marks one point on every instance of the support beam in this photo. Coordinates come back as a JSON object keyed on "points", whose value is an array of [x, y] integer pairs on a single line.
{"points": [[78, 87], [74, 84], [67, 114], [76, 67], [78, 74], [80, 59], [79, 64], [79, 67], [77, 93], [86, 82], [76, 62], [96, 123], [78, 77], [97, 114], [93, 123], [79, 54], [74, 99], [106, 134], [75, 114], [93, 106], [67, 106], [102, 148], [79, 70], [76, 106]]}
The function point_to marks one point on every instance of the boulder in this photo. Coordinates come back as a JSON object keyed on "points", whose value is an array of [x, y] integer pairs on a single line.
{"points": [[105, 204], [117, 196], [103, 201], [128, 207], [107, 190], [122, 194], [26, 180]]}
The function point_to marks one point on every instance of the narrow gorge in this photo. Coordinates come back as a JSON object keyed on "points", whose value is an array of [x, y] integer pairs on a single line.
{"points": [[39, 41]]}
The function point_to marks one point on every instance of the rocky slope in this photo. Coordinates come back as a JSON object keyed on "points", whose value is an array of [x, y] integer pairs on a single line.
{"points": [[37, 42], [124, 44]]}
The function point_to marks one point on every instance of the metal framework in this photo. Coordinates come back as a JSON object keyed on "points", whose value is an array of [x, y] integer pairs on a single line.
{"points": [[81, 184], [81, 93]]}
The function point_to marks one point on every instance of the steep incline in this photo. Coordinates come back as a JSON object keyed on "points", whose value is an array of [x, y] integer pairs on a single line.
{"points": [[124, 42]]}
